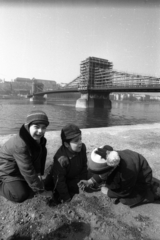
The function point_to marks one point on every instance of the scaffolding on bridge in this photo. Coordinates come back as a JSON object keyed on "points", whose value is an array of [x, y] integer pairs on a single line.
{"points": [[97, 73], [94, 71], [73, 84]]}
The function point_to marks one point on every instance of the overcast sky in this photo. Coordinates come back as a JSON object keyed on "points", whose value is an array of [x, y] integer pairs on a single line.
{"points": [[49, 41]]}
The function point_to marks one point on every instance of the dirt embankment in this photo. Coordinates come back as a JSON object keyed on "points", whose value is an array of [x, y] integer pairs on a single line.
{"points": [[89, 216]]}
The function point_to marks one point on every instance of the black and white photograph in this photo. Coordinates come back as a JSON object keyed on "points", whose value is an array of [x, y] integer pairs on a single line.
{"points": [[79, 119]]}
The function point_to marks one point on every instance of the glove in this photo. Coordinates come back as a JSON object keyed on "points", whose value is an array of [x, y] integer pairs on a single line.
{"points": [[101, 152], [63, 161]]}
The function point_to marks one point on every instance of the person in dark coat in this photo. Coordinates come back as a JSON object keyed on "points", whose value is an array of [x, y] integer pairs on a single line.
{"points": [[126, 174], [69, 165], [22, 159]]}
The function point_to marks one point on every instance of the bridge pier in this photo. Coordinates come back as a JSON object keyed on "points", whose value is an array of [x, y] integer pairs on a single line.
{"points": [[41, 98], [90, 100]]}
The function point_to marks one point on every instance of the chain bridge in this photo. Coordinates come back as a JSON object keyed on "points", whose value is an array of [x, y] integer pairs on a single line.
{"points": [[98, 79]]}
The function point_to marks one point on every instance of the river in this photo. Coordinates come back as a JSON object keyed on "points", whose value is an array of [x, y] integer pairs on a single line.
{"points": [[13, 113]]}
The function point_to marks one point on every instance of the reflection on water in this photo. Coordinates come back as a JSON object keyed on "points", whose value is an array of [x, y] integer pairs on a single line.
{"points": [[13, 113]]}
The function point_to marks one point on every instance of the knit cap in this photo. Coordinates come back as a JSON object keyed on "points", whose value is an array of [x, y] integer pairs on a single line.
{"points": [[70, 131], [98, 164], [37, 117]]}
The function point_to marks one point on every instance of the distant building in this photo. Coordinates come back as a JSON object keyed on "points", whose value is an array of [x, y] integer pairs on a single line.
{"points": [[22, 80], [47, 84], [44, 81], [35, 85]]}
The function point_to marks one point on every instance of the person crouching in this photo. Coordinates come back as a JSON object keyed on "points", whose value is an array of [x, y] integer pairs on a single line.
{"points": [[22, 159], [126, 174], [69, 166]]}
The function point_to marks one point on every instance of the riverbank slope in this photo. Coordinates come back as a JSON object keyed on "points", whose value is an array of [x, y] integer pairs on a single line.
{"points": [[89, 215]]}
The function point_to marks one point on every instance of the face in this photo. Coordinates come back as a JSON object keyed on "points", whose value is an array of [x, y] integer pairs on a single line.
{"points": [[75, 144], [37, 131]]}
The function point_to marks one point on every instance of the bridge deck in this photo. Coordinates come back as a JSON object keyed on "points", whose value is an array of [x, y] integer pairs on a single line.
{"points": [[109, 89]]}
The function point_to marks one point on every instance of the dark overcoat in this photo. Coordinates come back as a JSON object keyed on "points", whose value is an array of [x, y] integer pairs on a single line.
{"points": [[66, 178], [130, 181], [22, 158]]}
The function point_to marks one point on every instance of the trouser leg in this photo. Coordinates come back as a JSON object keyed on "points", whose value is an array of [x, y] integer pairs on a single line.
{"points": [[16, 191]]}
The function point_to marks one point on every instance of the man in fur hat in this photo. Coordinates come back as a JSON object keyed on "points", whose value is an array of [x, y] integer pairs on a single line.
{"points": [[127, 175]]}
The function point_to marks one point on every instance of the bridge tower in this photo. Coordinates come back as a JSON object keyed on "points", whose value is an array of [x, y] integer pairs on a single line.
{"points": [[95, 73], [37, 87]]}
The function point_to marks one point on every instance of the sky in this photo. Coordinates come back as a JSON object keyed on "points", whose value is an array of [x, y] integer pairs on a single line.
{"points": [[47, 40]]}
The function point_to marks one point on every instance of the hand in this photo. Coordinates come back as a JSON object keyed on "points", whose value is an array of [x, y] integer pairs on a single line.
{"points": [[42, 182], [102, 152], [85, 183], [40, 177], [63, 161], [82, 184]]}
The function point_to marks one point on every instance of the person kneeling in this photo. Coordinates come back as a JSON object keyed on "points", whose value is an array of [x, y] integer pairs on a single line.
{"points": [[22, 159], [126, 174], [69, 166]]}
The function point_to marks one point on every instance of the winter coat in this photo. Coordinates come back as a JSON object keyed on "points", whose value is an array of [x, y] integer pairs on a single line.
{"points": [[130, 181], [66, 178], [22, 158]]}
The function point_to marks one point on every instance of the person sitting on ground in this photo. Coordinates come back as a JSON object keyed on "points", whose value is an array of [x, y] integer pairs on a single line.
{"points": [[69, 165], [126, 174], [22, 159]]}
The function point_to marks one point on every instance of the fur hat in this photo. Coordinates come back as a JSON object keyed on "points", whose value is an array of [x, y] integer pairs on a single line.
{"points": [[36, 117], [70, 131], [100, 162]]}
